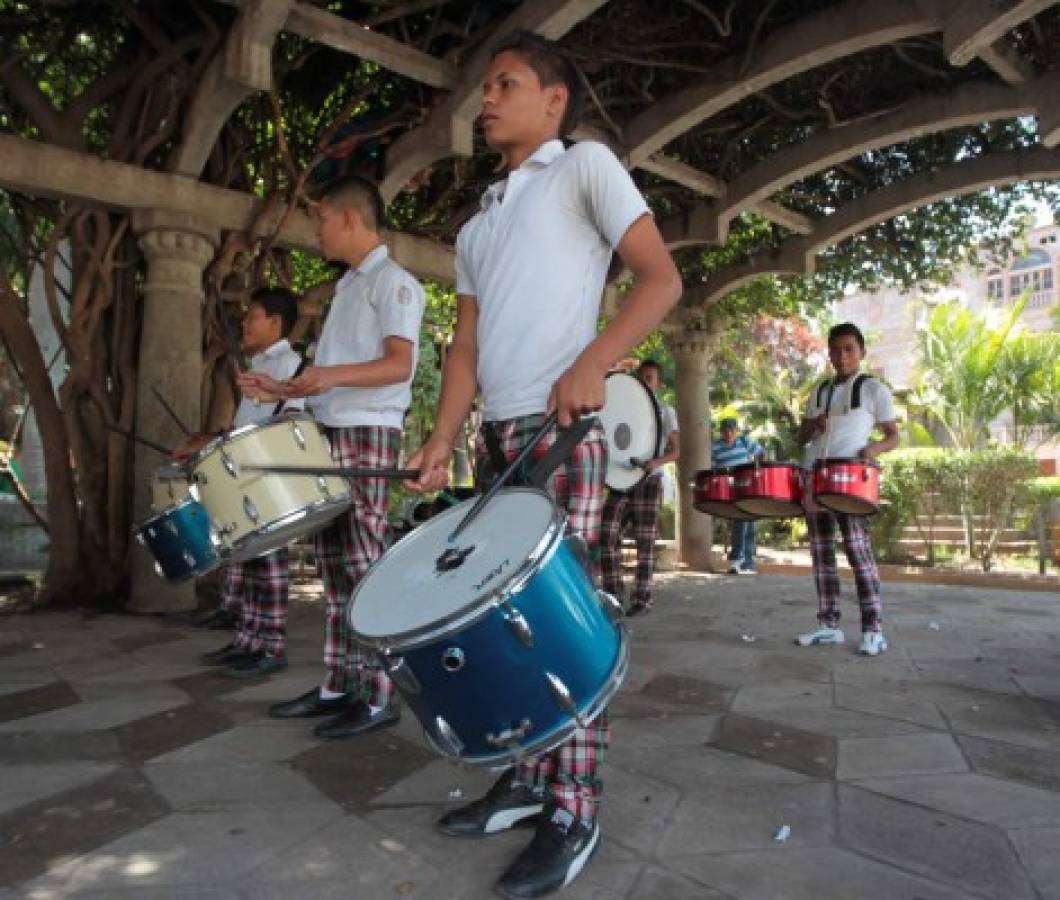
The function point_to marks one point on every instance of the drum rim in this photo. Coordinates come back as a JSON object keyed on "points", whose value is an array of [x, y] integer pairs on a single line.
{"points": [[243, 430], [659, 436], [742, 517], [721, 471], [283, 521], [771, 464], [553, 739], [165, 512], [797, 508], [468, 615], [828, 495], [846, 460]]}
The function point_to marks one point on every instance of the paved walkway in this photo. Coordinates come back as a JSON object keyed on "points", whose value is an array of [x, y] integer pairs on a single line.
{"points": [[129, 771]]}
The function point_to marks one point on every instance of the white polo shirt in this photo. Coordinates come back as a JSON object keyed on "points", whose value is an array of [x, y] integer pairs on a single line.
{"points": [[279, 362], [848, 429], [535, 258], [377, 300]]}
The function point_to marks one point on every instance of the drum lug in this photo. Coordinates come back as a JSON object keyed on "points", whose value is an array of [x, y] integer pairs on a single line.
{"points": [[322, 486], [140, 539], [453, 659], [299, 438], [229, 464], [188, 558], [402, 675], [580, 549], [250, 509], [510, 737], [610, 604], [159, 571], [199, 478], [194, 493], [518, 624], [447, 738], [562, 695]]}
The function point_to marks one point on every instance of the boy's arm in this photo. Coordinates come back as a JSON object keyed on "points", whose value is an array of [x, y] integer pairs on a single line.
{"points": [[393, 367], [656, 289], [459, 387]]}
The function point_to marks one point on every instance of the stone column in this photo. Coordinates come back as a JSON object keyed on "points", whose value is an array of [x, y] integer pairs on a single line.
{"points": [[178, 248], [693, 351]]}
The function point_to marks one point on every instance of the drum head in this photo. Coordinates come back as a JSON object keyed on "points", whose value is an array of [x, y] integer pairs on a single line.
{"points": [[404, 595], [633, 426]]}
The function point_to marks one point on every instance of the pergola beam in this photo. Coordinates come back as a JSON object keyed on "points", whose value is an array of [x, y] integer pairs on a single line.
{"points": [[46, 170], [976, 24], [808, 44]]}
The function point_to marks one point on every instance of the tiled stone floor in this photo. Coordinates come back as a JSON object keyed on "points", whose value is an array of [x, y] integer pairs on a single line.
{"points": [[127, 770]]}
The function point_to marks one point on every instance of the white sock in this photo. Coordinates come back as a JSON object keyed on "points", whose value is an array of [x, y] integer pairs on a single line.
{"points": [[374, 710], [325, 694]]}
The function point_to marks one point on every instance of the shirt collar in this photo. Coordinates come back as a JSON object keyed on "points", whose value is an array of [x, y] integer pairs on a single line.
{"points": [[542, 157], [280, 346], [372, 260]]}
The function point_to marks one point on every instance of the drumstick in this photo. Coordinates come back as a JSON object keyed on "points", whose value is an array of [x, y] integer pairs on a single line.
{"points": [[338, 471], [172, 413], [139, 440], [546, 426]]}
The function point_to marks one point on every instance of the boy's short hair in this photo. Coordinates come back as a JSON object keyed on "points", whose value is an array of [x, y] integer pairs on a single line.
{"points": [[552, 66], [359, 194], [650, 364], [729, 422], [845, 329], [278, 302]]}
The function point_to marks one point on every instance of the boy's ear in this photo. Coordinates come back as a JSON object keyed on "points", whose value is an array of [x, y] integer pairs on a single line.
{"points": [[557, 101]]}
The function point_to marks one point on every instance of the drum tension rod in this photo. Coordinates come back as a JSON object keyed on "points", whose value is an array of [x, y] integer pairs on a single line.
{"points": [[452, 559]]}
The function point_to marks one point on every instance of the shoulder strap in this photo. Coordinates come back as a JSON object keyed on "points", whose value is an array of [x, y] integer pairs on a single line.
{"points": [[827, 383], [855, 391], [279, 406]]}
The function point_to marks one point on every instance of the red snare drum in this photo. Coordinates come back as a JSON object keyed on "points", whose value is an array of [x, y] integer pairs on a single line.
{"points": [[712, 493], [771, 489], [849, 486]]}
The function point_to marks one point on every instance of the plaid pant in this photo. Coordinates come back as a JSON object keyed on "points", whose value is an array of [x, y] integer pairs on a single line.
{"points": [[641, 503], [567, 774], [345, 550], [258, 589], [821, 525]]}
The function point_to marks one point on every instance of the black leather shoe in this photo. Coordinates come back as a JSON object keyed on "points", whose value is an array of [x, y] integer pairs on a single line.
{"points": [[357, 719], [224, 656], [309, 704], [257, 663], [217, 619], [556, 856], [502, 808], [636, 609]]}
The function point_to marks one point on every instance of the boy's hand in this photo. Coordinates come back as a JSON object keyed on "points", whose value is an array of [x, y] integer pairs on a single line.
{"points": [[579, 391], [260, 388], [432, 459]]}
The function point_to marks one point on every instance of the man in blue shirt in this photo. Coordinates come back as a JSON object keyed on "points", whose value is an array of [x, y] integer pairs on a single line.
{"points": [[734, 449]]}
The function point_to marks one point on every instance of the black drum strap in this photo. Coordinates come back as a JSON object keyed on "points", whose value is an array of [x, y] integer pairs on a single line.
{"points": [[855, 392], [559, 452], [297, 372], [493, 448]]}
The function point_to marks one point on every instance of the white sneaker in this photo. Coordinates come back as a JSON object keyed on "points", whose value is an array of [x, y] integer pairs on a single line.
{"points": [[821, 636], [743, 571], [734, 569], [873, 643]]}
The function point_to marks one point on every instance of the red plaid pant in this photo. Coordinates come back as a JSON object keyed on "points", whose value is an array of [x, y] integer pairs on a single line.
{"points": [[641, 504], [568, 774], [345, 550], [820, 526], [258, 589]]}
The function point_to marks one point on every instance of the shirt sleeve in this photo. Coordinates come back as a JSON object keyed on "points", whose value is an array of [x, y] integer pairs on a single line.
{"points": [[465, 284], [401, 308], [613, 200], [883, 403], [670, 421]]}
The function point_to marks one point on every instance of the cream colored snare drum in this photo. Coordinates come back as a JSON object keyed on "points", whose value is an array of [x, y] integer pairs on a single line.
{"points": [[256, 512], [169, 486]]}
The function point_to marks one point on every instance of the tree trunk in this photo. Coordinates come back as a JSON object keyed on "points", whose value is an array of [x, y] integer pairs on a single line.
{"points": [[65, 575]]}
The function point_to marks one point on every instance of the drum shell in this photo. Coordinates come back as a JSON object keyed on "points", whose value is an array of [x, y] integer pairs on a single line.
{"points": [[713, 493], [850, 486], [503, 682], [770, 490], [180, 540], [286, 506], [169, 486]]}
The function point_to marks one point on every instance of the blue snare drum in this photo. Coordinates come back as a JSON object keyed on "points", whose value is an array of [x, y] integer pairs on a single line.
{"points": [[181, 541], [506, 649]]}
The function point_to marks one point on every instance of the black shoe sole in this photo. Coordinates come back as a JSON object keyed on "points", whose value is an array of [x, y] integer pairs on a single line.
{"points": [[357, 730]]}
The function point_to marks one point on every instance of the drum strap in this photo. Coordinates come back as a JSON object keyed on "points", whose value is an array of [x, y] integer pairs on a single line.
{"points": [[855, 391], [555, 456], [297, 372], [559, 452]]}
